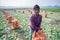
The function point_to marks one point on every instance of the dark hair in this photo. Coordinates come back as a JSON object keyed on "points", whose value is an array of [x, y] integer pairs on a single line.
{"points": [[36, 7]]}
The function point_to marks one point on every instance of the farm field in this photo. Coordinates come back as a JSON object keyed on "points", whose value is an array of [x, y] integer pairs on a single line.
{"points": [[50, 25], [51, 9]]}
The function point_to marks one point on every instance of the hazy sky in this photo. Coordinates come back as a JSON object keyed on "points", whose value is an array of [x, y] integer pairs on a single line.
{"points": [[29, 2]]}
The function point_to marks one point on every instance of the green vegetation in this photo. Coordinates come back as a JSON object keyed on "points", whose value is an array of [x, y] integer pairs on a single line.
{"points": [[51, 9], [50, 25]]}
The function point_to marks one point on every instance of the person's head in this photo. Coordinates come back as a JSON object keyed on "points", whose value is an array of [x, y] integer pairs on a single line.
{"points": [[36, 9]]}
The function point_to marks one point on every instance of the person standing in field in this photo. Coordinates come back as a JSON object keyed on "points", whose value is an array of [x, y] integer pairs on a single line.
{"points": [[35, 21]]}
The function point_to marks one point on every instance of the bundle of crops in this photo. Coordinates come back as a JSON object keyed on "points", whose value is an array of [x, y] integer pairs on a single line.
{"points": [[40, 35], [15, 24]]}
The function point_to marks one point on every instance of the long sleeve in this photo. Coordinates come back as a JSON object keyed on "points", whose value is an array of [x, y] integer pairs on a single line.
{"points": [[33, 26], [40, 22], [35, 22]]}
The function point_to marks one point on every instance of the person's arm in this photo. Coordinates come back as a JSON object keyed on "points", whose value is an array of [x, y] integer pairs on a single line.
{"points": [[40, 23], [32, 22], [41, 20]]}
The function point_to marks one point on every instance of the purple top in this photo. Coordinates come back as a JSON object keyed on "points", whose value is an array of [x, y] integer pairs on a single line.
{"points": [[35, 21]]}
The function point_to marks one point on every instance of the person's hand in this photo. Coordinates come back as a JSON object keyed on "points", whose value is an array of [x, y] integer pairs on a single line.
{"points": [[39, 28]]}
